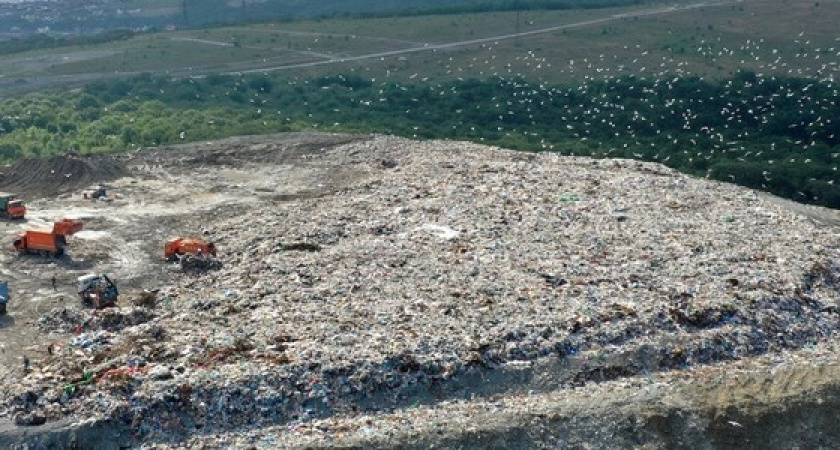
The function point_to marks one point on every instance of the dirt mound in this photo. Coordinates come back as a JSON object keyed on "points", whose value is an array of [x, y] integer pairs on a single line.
{"points": [[43, 177]]}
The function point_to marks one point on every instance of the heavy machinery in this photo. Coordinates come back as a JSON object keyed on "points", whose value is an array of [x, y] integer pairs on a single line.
{"points": [[96, 193], [178, 247], [194, 255], [4, 296], [48, 243], [11, 207], [97, 290]]}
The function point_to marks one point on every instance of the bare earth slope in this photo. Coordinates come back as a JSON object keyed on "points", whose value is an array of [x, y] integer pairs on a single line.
{"points": [[51, 176], [378, 280]]}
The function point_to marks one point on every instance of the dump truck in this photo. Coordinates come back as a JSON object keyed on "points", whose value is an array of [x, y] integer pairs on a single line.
{"points": [[4, 296], [97, 290], [48, 243], [11, 207], [45, 243], [178, 247]]}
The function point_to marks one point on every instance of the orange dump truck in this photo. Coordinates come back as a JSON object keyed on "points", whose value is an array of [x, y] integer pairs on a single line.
{"points": [[44, 243], [48, 243], [182, 246]]}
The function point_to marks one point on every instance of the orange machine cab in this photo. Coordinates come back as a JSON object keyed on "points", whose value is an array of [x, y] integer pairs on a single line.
{"points": [[16, 209], [11, 206]]}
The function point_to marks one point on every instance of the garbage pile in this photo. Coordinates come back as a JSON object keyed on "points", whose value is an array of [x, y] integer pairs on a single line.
{"points": [[67, 320], [63, 320], [199, 263], [451, 262]]}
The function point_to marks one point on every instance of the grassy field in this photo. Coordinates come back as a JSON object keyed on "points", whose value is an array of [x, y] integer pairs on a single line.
{"points": [[709, 42], [152, 8]]}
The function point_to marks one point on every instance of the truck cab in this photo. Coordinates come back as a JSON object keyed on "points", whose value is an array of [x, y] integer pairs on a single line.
{"points": [[11, 206]]}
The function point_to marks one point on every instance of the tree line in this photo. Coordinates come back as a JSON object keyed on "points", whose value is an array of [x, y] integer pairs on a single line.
{"points": [[776, 134]]}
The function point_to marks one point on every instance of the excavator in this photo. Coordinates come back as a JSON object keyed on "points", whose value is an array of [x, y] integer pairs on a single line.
{"points": [[48, 242], [11, 207], [97, 290]]}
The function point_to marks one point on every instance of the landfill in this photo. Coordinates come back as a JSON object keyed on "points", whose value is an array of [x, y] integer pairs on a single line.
{"points": [[435, 272]]}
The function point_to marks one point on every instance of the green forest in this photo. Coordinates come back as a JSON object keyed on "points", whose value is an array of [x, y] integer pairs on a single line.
{"points": [[778, 134]]}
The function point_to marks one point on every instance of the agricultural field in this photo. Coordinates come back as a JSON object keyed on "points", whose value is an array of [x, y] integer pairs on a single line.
{"points": [[568, 45], [75, 18]]}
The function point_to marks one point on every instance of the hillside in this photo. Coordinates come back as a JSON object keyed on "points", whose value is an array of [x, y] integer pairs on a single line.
{"points": [[366, 276]]}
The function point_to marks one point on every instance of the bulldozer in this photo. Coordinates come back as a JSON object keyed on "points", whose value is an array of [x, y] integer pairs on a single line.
{"points": [[48, 242], [194, 255], [178, 247], [97, 290], [11, 207]]}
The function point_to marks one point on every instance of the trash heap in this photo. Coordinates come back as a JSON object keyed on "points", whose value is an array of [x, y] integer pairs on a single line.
{"points": [[199, 263], [68, 320], [443, 263]]}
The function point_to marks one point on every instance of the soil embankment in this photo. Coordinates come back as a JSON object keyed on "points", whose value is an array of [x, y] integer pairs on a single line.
{"points": [[759, 406], [56, 175]]}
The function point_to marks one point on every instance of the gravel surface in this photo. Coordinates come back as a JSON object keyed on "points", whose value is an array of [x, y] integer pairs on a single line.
{"points": [[404, 273]]}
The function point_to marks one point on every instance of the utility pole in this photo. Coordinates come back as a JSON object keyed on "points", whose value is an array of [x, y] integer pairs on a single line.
{"points": [[244, 11], [184, 13], [518, 12]]}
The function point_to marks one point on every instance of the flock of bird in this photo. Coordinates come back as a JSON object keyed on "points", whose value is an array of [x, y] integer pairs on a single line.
{"points": [[799, 77], [641, 96]]}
